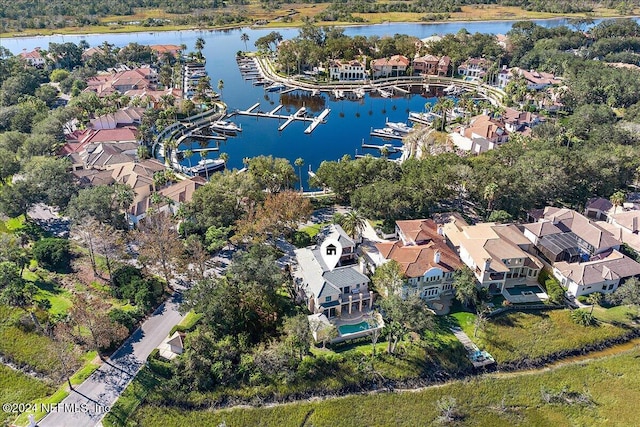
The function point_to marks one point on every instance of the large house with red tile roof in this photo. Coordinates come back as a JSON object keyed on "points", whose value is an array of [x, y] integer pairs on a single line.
{"points": [[427, 263], [431, 65], [33, 58], [100, 148], [474, 67], [390, 67], [122, 81], [483, 133], [342, 70], [536, 80]]}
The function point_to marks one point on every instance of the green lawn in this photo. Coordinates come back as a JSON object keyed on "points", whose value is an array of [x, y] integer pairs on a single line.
{"points": [[16, 387], [619, 314], [313, 230], [612, 383], [515, 336]]}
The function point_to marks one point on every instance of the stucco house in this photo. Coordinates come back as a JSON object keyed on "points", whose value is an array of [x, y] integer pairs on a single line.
{"points": [[343, 70], [394, 66]]}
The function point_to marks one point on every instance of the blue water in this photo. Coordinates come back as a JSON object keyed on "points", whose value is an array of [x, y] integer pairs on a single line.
{"points": [[344, 131]]}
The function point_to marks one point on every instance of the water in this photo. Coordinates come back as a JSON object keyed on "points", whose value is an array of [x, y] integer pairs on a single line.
{"points": [[352, 329], [347, 126]]}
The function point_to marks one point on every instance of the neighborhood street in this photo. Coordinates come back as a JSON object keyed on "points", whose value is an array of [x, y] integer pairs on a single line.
{"points": [[87, 403]]}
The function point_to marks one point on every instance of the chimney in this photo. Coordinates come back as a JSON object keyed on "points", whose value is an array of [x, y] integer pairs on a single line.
{"points": [[487, 264], [635, 225], [436, 257], [440, 230]]}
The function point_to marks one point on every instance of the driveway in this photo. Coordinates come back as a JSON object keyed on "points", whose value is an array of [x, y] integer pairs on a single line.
{"points": [[86, 404]]}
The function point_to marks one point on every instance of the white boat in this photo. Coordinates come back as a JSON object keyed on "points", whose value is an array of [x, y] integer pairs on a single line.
{"points": [[275, 87], [399, 127], [452, 90], [422, 117], [387, 131], [338, 94], [359, 93], [384, 93], [225, 127], [205, 166]]}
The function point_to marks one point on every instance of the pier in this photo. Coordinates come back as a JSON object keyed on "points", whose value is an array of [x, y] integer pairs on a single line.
{"points": [[391, 148], [399, 89], [200, 150], [299, 115]]}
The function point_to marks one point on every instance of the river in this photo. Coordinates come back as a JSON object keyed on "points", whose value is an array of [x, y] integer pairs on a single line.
{"points": [[349, 122]]}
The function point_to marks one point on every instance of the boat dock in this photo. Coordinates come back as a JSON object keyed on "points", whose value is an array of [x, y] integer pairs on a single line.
{"points": [[200, 150], [208, 137], [478, 358], [317, 121], [391, 148], [399, 89], [299, 115]]}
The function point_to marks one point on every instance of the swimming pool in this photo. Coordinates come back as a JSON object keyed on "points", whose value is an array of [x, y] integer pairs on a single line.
{"points": [[519, 290], [352, 329]]}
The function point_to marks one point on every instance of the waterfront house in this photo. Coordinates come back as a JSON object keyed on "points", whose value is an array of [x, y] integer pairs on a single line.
{"points": [[33, 58], [498, 256], [100, 148], [483, 133], [427, 64], [394, 66], [536, 80], [474, 67], [519, 121], [342, 70], [427, 263], [584, 255], [335, 232], [122, 81], [124, 117]]}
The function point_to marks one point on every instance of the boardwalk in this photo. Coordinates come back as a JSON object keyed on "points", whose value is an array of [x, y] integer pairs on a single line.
{"points": [[477, 358]]}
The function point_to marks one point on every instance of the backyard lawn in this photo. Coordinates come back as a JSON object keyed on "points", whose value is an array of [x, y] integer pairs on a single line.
{"points": [[587, 393], [516, 336]]}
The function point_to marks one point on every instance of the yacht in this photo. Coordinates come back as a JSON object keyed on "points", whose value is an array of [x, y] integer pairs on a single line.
{"points": [[205, 166], [387, 131], [225, 126], [399, 127], [276, 87]]}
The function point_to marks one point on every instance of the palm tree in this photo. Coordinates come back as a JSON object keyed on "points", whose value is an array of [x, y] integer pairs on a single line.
{"points": [[593, 299], [245, 38], [203, 155], [188, 154], [199, 46], [220, 86], [224, 157], [353, 223], [384, 151], [447, 104], [617, 199], [299, 163], [489, 195], [427, 107]]}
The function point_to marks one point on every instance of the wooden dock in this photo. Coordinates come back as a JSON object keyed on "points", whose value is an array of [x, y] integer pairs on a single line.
{"points": [[208, 137], [200, 150], [399, 89], [472, 349], [391, 148]]}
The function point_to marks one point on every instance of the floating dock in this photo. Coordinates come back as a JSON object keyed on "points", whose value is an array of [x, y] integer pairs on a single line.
{"points": [[399, 89], [299, 115], [391, 148], [208, 137]]}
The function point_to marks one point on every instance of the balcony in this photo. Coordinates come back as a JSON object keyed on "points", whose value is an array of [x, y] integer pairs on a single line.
{"points": [[355, 294]]}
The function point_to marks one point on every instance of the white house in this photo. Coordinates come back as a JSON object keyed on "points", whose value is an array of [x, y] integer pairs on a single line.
{"points": [[390, 67], [342, 70], [33, 58]]}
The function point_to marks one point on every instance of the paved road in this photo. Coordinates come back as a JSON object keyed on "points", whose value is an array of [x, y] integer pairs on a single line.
{"points": [[83, 406]]}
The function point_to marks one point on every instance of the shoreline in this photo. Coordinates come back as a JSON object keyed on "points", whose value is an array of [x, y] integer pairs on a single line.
{"points": [[72, 32]]}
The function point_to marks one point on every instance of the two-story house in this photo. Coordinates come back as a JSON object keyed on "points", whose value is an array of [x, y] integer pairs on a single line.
{"points": [[497, 255], [483, 133], [33, 58], [427, 64], [390, 67], [342, 70], [427, 263], [474, 67]]}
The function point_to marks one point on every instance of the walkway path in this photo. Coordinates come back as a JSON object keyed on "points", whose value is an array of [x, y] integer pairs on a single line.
{"points": [[470, 347], [86, 404]]}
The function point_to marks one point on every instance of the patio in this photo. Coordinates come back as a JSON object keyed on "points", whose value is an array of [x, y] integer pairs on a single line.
{"points": [[524, 293]]}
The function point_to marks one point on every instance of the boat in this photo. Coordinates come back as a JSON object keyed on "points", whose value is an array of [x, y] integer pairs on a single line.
{"points": [[422, 117], [338, 94], [205, 166], [399, 127], [260, 82], [275, 87], [384, 93], [452, 90], [387, 131], [359, 93], [225, 126]]}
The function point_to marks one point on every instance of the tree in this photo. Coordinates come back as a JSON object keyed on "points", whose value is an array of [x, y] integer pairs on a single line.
{"points": [[199, 45], [17, 199], [617, 199], [481, 318], [582, 317], [159, 243], [593, 299], [224, 157], [90, 315], [297, 335], [388, 278], [500, 216], [272, 174], [9, 165], [464, 283], [21, 295], [628, 293], [353, 223], [299, 162], [489, 194], [402, 316], [245, 38], [52, 253], [216, 238], [220, 86], [86, 232]]}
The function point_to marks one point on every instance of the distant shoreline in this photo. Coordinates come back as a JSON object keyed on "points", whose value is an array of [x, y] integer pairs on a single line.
{"points": [[101, 29]]}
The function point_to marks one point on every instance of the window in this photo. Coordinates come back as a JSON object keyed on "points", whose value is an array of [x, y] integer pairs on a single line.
{"points": [[327, 299], [604, 287]]}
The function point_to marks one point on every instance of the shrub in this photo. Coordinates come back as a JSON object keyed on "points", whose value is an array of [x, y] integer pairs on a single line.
{"points": [[160, 367], [53, 254], [301, 239], [554, 290], [128, 319], [583, 317], [582, 299]]}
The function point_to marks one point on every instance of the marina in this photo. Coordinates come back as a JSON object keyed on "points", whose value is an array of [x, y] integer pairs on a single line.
{"points": [[386, 133]]}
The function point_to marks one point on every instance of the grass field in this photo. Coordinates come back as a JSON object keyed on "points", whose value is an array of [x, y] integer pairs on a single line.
{"points": [[16, 387], [608, 386], [256, 11], [516, 336]]}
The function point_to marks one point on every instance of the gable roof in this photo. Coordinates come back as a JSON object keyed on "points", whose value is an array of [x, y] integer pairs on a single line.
{"points": [[599, 204], [394, 61], [418, 230], [335, 231], [614, 266], [485, 127], [629, 220], [417, 260], [584, 228]]}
